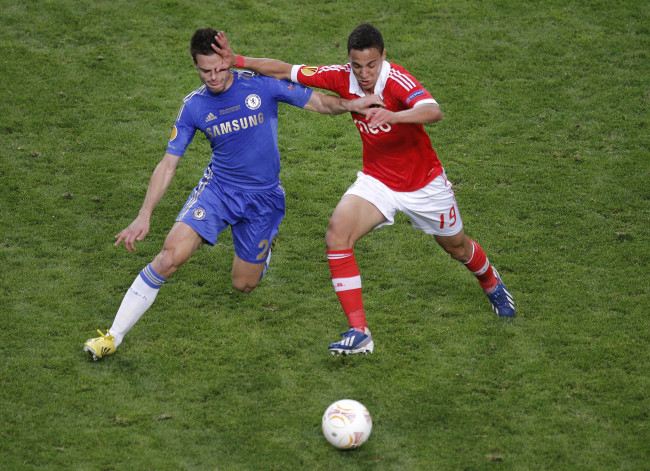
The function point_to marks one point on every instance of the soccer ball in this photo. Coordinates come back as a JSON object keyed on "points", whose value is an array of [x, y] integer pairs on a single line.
{"points": [[347, 424]]}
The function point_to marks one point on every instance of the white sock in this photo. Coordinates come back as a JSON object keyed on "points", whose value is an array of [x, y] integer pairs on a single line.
{"points": [[137, 300]]}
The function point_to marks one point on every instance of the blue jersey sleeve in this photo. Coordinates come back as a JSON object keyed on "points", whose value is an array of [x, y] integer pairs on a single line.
{"points": [[182, 132], [291, 93]]}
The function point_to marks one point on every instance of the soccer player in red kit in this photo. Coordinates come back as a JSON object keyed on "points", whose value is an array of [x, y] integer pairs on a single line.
{"points": [[401, 172]]}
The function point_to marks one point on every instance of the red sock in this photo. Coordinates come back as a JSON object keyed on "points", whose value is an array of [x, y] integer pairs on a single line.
{"points": [[347, 285], [481, 267]]}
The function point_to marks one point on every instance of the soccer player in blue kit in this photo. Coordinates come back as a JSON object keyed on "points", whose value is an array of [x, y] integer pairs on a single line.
{"points": [[238, 113]]}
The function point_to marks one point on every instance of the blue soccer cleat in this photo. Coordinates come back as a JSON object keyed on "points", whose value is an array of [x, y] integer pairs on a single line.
{"points": [[501, 299], [353, 342]]}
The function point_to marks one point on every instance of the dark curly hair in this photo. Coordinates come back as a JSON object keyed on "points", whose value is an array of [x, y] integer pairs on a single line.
{"points": [[365, 36], [201, 42]]}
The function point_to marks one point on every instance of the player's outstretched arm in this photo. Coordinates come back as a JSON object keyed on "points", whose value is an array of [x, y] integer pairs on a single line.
{"points": [[269, 67], [330, 104], [160, 180]]}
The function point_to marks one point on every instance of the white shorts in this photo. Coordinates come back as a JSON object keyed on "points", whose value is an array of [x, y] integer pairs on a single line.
{"points": [[432, 209]]}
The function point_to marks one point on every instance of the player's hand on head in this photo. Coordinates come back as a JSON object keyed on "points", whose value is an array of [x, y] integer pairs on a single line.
{"points": [[225, 51]]}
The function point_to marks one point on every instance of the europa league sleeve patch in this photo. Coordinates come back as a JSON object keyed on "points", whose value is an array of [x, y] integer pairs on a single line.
{"points": [[174, 133], [308, 70]]}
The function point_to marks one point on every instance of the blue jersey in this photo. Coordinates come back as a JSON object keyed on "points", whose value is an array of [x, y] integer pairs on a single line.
{"points": [[241, 124]]}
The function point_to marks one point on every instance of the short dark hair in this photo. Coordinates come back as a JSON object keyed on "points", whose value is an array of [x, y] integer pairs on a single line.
{"points": [[201, 42], [365, 36]]}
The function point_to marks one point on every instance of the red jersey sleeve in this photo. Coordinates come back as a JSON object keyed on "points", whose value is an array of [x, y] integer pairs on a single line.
{"points": [[335, 78]]}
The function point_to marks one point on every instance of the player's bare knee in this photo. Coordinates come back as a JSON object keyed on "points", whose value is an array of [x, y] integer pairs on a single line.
{"points": [[243, 285], [164, 264], [246, 289], [337, 240], [458, 252], [329, 240], [459, 246]]}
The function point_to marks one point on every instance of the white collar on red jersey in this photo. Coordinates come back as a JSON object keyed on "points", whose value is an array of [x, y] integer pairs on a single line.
{"points": [[379, 86]]}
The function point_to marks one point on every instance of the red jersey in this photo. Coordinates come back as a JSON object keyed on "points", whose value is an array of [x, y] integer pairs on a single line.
{"points": [[398, 155]]}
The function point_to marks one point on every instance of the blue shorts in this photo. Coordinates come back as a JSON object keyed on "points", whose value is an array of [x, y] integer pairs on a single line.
{"points": [[253, 215]]}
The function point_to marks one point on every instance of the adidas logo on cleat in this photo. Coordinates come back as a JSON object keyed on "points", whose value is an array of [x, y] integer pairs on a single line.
{"points": [[353, 342]]}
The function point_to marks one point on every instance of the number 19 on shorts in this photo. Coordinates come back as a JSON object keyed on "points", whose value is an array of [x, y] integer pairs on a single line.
{"points": [[449, 219]]}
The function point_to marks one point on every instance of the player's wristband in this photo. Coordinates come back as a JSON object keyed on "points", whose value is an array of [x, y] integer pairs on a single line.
{"points": [[240, 61]]}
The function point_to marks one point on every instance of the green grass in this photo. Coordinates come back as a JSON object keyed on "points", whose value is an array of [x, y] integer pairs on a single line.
{"points": [[545, 136]]}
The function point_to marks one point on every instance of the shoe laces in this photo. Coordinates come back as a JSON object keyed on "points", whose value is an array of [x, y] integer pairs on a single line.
{"points": [[353, 331], [107, 335]]}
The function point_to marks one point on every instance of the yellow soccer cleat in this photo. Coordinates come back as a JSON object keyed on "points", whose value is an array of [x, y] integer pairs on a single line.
{"points": [[100, 346]]}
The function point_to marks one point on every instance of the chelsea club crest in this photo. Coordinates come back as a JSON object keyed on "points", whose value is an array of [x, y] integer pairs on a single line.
{"points": [[253, 101], [198, 213]]}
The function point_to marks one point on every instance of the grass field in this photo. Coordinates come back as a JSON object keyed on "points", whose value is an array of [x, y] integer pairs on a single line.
{"points": [[545, 136]]}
